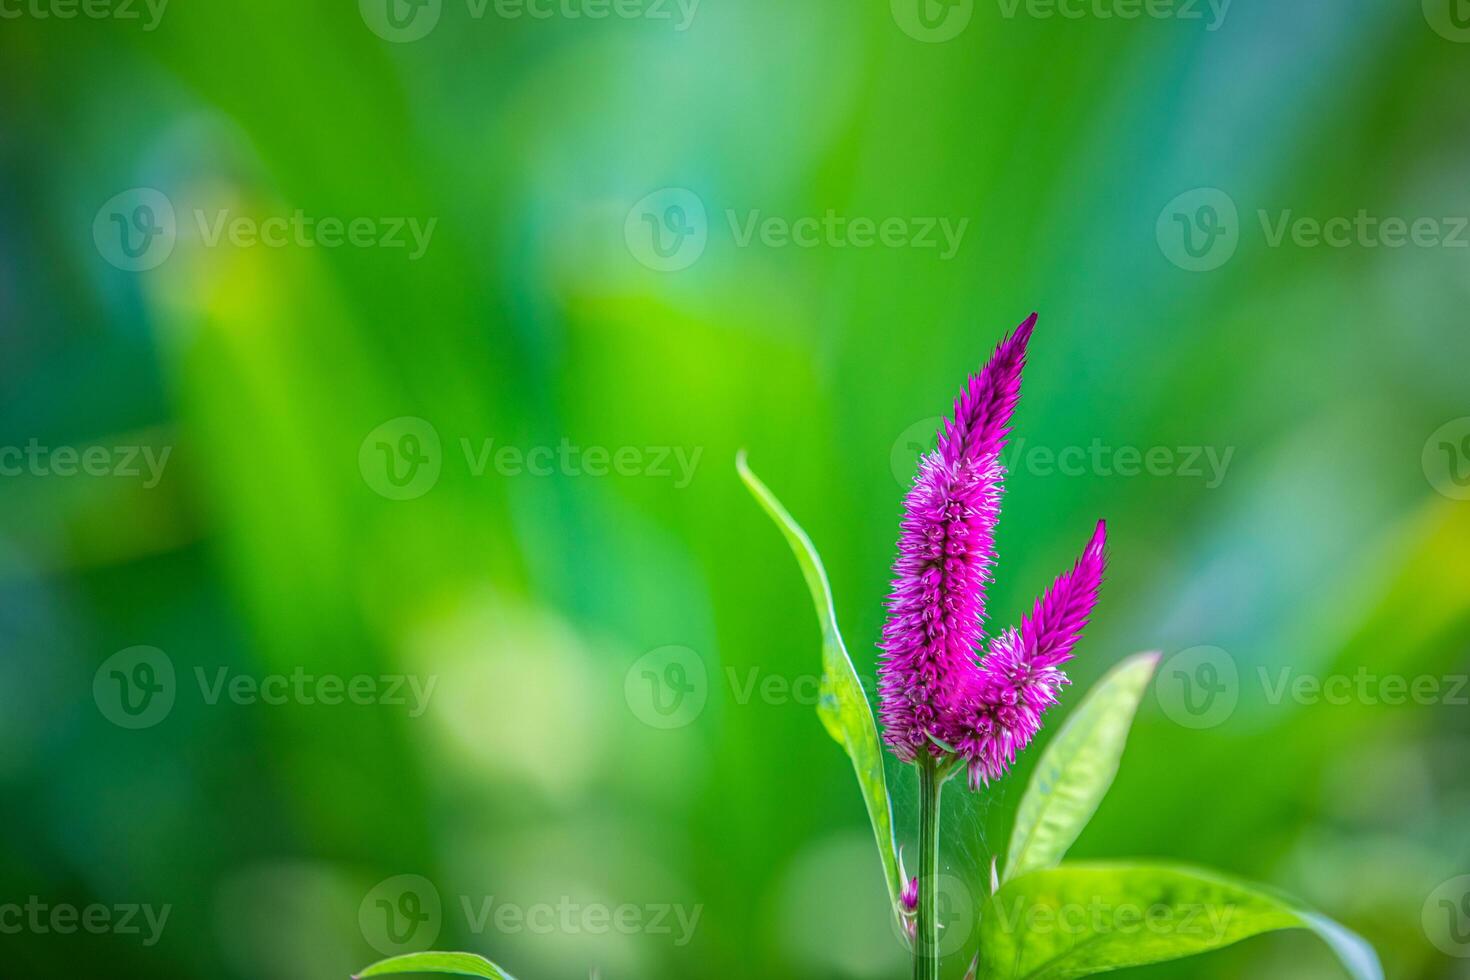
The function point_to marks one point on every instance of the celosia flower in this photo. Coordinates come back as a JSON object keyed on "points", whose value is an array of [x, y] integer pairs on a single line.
{"points": [[933, 693], [945, 553]]}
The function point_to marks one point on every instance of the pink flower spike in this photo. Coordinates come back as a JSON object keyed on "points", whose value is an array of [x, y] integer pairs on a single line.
{"points": [[946, 548], [999, 708]]}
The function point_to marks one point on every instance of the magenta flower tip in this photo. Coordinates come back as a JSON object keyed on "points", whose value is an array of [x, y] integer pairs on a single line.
{"points": [[982, 412]]}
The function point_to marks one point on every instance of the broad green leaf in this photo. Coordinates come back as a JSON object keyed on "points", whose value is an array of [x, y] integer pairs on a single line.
{"points": [[1080, 919], [459, 964], [1077, 768], [843, 707]]}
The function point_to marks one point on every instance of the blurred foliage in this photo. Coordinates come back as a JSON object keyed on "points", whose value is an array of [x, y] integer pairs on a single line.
{"points": [[267, 547]]}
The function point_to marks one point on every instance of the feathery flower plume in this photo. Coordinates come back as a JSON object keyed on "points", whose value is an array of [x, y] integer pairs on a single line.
{"points": [[999, 706], [945, 553]]}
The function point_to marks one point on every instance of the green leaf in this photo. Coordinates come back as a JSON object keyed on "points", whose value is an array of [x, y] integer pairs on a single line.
{"points": [[1082, 919], [843, 707], [1077, 768], [459, 964]]}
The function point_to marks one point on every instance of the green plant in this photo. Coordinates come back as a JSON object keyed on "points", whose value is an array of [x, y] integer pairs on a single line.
{"points": [[1040, 918]]}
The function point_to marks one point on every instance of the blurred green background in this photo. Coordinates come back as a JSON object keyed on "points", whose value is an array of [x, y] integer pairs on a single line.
{"points": [[334, 502]]}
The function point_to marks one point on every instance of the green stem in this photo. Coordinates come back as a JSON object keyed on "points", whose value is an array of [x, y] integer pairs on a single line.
{"points": [[926, 939]]}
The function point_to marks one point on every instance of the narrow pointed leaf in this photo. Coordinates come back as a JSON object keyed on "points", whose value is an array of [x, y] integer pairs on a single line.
{"points": [[1081, 919], [458, 964], [1077, 768], [843, 707]]}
